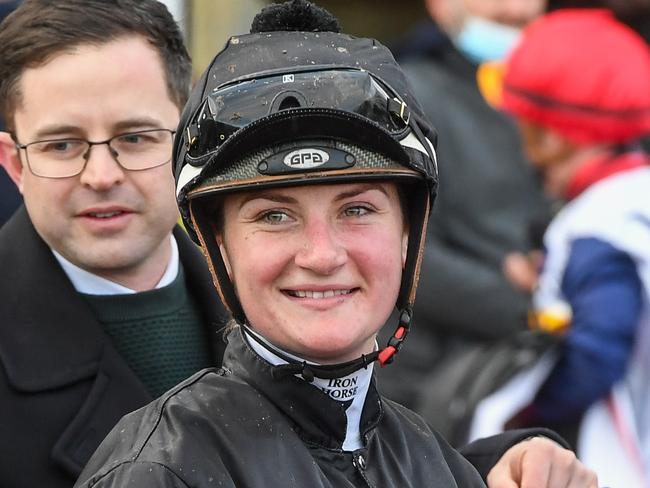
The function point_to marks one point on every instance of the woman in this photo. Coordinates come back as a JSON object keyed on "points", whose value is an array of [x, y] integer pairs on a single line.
{"points": [[305, 170]]}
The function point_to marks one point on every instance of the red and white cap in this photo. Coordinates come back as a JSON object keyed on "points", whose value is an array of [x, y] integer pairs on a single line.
{"points": [[579, 72]]}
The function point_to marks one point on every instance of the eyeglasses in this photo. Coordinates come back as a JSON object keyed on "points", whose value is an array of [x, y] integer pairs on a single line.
{"points": [[134, 151]]}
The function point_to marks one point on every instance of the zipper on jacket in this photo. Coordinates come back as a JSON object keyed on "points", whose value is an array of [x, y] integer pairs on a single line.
{"points": [[359, 462]]}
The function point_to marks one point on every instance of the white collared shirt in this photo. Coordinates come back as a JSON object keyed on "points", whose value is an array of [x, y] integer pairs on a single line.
{"points": [[91, 284]]}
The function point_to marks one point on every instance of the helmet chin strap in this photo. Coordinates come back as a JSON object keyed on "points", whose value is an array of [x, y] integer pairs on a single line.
{"points": [[331, 371], [309, 371]]}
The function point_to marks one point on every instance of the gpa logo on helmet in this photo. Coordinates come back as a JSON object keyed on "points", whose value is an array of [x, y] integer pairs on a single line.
{"points": [[306, 158]]}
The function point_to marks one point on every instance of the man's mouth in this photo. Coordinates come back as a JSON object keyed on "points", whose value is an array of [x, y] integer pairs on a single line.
{"points": [[319, 294], [104, 215]]}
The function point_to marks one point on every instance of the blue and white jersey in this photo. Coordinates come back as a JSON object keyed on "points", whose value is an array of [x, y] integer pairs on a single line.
{"points": [[598, 269]]}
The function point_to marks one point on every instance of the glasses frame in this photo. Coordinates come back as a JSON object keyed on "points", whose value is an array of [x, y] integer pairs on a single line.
{"points": [[90, 144]]}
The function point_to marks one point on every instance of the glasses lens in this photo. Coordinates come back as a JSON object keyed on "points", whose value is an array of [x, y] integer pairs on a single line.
{"points": [[348, 90], [144, 149], [57, 158]]}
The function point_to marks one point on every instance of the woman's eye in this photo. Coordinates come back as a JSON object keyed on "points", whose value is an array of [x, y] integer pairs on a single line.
{"points": [[275, 217], [356, 211]]}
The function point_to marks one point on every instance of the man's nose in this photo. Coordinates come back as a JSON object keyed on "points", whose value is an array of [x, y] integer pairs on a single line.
{"points": [[102, 171], [322, 250]]}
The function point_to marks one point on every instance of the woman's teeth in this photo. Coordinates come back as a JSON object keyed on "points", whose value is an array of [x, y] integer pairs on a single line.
{"points": [[318, 294]]}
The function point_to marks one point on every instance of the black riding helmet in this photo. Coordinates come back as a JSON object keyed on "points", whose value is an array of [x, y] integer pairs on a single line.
{"points": [[295, 105]]}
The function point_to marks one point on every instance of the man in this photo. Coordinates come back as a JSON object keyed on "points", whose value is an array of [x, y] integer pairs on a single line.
{"points": [[581, 113], [488, 203], [102, 308]]}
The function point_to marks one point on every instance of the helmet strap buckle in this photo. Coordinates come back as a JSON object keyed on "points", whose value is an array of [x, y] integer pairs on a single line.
{"points": [[387, 355]]}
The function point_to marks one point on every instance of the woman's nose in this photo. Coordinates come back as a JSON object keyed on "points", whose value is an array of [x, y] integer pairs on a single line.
{"points": [[322, 250]]}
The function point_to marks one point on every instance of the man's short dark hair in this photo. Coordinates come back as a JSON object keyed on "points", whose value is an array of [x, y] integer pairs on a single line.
{"points": [[41, 29]]}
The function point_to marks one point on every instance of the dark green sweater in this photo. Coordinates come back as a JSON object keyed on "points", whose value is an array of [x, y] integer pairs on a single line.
{"points": [[158, 332]]}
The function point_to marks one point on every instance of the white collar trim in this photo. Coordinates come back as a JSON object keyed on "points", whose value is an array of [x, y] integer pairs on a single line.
{"points": [[92, 284], [351, 387]]}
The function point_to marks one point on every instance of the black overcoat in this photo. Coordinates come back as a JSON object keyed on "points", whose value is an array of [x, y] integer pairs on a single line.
{"points": [[63, 386]]}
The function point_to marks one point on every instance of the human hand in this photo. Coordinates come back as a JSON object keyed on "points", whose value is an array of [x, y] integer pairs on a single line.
{"points": [[522, 270], [540, 463]]}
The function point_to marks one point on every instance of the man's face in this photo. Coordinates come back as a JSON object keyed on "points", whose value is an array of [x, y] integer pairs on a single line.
{"points": [[515, 13], [550, 154], [107, 220]]}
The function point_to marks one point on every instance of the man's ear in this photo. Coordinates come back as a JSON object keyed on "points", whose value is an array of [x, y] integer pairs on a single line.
{"points": [[10, 161]]}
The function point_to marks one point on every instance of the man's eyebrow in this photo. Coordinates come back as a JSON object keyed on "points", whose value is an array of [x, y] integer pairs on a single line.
{"points": [[139, 123], [73, 131], [55, 130]]}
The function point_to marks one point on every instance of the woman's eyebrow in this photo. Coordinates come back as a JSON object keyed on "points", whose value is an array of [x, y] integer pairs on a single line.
{"points": [[362, 189], [277, 197], [271, 196]]}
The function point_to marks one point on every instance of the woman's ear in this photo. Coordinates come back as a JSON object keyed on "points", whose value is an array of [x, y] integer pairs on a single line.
{"points": [[224, 254], [10, 161], [405, 246]]}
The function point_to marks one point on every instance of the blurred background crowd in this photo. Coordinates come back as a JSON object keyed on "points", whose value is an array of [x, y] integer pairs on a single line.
{"points": [[474, 363]]}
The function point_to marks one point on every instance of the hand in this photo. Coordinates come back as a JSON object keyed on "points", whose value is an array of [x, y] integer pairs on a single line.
{"points": [[522, 270], [540, 463]]}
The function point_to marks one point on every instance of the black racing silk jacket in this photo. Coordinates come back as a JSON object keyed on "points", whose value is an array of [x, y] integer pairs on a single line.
{"points": [[242, 426]]}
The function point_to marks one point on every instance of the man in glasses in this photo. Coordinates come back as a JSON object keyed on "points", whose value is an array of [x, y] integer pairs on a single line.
{"points": [[102, 306]]}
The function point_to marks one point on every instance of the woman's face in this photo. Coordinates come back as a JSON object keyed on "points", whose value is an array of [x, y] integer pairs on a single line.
{"points": [[317, 268]]}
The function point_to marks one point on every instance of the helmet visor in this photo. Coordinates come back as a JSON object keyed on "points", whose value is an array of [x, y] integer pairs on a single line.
{"points": [[238, 104]]}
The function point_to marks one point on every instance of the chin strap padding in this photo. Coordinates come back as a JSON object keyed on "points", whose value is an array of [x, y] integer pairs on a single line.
{"points": [[327, 372], [330, 371], [387, 354]]}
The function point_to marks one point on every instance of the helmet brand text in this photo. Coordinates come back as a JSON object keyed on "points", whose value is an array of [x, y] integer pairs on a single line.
{"points": [[306, 158]]}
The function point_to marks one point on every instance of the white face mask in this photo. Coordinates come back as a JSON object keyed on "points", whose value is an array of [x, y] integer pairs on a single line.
{"points": [[485, 40]]}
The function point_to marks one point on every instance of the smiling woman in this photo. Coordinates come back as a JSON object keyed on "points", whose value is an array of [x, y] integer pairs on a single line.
{"points": [[331, 267], [300, 209]]}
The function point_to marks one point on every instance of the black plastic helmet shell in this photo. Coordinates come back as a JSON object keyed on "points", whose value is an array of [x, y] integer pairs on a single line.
{"points": [[257, 55], [265, 52]]}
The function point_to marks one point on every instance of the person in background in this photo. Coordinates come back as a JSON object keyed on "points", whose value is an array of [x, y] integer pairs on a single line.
{"points": [[635, 13], [9, 195], [489, 205], [104, 304], [311, 206], [581, 114]]}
